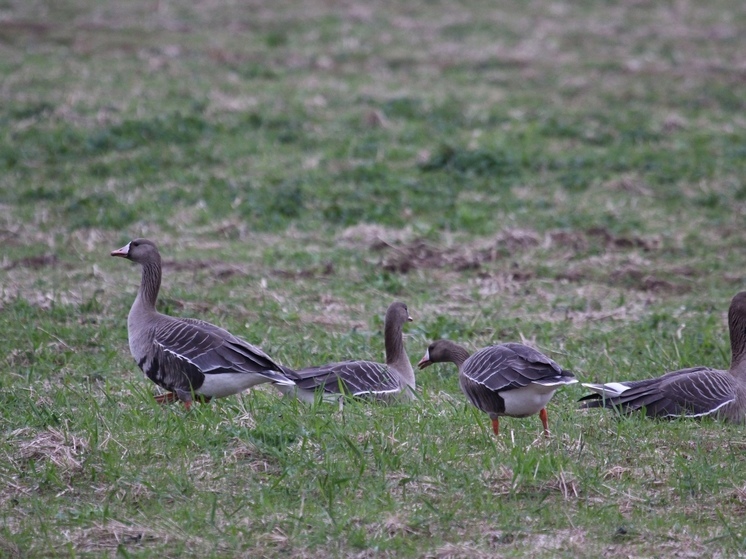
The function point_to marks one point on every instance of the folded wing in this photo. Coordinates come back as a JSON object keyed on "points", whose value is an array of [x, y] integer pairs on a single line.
{"points": [[513, 365], [356, 378], [694, 392]]}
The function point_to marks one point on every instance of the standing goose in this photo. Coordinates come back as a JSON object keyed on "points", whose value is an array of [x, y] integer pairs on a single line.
{"points": [[188, 357], [508, 379], [692, 392], [363, 378]]}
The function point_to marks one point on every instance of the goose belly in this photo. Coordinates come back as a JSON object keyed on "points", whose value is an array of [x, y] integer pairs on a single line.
{"points": [[220, 385], [527, 400], [308, 396]]}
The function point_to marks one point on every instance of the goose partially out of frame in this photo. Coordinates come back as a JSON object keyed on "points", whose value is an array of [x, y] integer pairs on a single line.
{"points": [[692, 392]]}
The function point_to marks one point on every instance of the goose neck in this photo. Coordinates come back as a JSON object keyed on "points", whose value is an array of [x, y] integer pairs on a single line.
{"points": [[150, 284], [396, 356], [393, 341], [458, 354]]}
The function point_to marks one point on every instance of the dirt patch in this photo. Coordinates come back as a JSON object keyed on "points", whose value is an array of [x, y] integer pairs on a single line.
{"points": [[635, 278], [574, 240], [9, 550], [25, 27], [518, 239], [423, 255], [367, 236], [112, 535], [324, 270], [624, 242], [32, 262], [403, 257]]}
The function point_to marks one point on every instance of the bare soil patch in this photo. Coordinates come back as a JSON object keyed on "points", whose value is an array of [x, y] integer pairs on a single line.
{"points": [[33, 262], [515, 244]]}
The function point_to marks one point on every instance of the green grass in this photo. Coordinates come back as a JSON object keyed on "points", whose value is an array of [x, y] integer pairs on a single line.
{"points": [[569, 174]]}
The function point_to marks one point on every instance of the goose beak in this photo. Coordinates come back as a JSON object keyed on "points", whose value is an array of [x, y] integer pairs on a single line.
{"points": [[409, 319], [122, 252], [425, 361]]}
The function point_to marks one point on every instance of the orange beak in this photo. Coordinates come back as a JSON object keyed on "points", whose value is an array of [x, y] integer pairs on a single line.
{"points": [[122, 252], [425, 361]]}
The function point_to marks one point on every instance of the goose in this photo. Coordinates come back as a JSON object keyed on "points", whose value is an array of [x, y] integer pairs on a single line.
{"points": [[692, 392], [503, 380], [189, 358], [366, 379]]}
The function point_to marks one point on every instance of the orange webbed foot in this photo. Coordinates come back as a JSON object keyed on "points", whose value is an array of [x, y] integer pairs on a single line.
{"points": [[496, 426], [544, 421]]}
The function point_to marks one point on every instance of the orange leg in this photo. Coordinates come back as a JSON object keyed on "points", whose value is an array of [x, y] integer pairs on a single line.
{"points": [[171, 397], [166, 398], [544, 422], [197, 398], [496, 426]]}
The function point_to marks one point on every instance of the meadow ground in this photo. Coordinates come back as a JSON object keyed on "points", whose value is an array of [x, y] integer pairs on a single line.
{"points": [[570, 174]]}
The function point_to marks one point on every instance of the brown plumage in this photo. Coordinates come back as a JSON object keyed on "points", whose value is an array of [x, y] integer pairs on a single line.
{"points": [[692, 392], [360, 378], [187, 357], [503, 380]]}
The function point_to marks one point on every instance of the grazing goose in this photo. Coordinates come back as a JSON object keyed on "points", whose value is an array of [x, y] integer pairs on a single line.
{"points": [[692, 392], [363, 378], [508, 379], [188, 357]]}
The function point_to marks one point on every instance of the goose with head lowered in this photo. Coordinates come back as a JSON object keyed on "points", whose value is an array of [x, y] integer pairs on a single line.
{"points": [[503, 380], [364, 379], [189, 358], [692, 392]]}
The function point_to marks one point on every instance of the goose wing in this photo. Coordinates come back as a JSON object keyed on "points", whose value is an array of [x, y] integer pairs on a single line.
{"points": [[693, 392], [512, 365], [209, 349], [356, 378]]}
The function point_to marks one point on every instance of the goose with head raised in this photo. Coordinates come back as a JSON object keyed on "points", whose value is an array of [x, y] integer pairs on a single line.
{"points": [[503, 380], [358, 378], [189, 358], [692, 392]]}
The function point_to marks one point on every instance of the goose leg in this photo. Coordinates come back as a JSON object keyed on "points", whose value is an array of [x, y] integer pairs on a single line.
{"points": [[544, 422], [496, 426], [166, 398], [185, 396]]}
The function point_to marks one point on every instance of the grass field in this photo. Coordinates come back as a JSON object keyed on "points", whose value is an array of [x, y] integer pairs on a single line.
{"points": [[570, 174]]}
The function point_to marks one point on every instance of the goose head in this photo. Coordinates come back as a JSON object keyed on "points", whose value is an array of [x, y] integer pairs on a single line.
{"points": [[142, 251], [441, 351], [397, 313]]}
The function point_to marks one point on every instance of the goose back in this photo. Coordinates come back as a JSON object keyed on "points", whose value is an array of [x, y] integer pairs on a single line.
{"points": [[511, 365]]}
